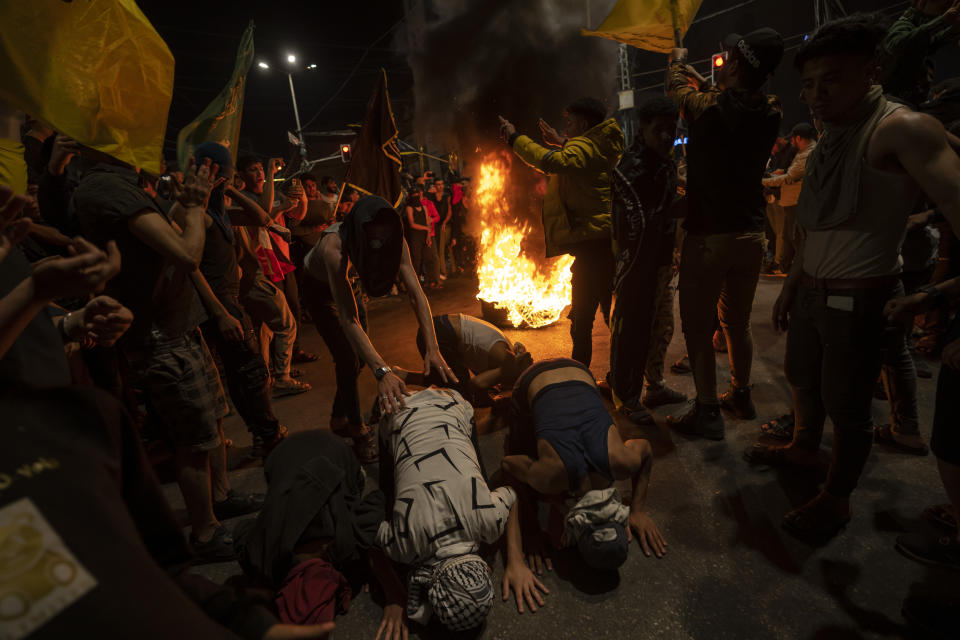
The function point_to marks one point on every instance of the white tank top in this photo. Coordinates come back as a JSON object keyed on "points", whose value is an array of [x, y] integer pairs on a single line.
{"points": [[476, 339]]}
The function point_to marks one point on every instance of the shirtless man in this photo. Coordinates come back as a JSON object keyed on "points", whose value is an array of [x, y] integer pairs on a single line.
{"points": [[471, 346], [369, 240], [563, 441], [873, 161]]}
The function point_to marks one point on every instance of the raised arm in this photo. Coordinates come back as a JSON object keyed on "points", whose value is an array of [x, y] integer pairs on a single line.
{"points": [[685, 88], [250, 213], [183, 248]]}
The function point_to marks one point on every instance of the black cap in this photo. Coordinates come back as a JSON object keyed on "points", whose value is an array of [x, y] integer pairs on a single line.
{"points": [[761, 49], [804, 130], [604, 546]]}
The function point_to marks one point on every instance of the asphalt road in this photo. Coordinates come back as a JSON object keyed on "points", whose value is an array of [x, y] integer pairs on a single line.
{"points": [[730, 571]]}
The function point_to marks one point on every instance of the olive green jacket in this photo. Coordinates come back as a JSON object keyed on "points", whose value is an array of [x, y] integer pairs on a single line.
{"points": [[576, 207]]}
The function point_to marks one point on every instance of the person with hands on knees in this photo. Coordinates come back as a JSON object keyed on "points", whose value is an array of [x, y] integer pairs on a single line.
{"points": [[370, 240], [564, 444], [441, 508]]}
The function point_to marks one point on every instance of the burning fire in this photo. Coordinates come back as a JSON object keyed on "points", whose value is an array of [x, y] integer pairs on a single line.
{"points": [[531, 293]]}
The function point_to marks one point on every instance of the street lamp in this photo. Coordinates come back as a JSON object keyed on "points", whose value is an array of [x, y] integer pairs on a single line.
{"points": [[292, 59]]}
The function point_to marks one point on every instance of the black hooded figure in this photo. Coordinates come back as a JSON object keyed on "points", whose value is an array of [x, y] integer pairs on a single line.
{"points": [[372, 236], [369, 241]]}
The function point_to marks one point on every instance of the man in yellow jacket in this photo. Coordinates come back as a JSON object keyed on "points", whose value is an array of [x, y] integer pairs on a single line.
{"points": [[576, 208]]}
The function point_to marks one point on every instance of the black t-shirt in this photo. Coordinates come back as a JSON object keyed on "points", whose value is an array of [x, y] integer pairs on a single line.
{"points": [[160, 294], [84, 525], [219, 266], [36, 358], [727, 154], [440, 203]]}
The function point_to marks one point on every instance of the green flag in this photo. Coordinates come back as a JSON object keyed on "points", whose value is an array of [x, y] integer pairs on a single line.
{"points": [[220, 121]]}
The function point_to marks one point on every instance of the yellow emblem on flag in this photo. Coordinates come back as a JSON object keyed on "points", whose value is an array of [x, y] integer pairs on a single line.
{"points": [[647, 24], [96, 71]]}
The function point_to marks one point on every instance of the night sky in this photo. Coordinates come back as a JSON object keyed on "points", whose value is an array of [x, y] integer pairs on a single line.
{"points": [[203, 37]]}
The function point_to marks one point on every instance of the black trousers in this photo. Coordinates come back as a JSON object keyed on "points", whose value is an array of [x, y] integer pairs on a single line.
{"points": [[835, 349], [592, 284], [248, 380], [323, 311]]}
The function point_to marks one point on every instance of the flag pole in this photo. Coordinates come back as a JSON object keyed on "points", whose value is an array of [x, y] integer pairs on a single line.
{"points": [[677, 34]]}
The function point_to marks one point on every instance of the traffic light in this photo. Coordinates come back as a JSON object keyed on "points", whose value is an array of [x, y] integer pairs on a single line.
{"points": [[716, 63], [345, 152]]}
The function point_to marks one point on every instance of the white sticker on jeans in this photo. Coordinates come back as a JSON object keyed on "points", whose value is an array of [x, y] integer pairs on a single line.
{"points": [[39, 576], [843, 303]]}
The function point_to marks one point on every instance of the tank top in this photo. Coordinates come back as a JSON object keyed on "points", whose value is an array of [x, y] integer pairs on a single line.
{"points": [[219, 267], [313, 262], [476, 339], [867, 245]]}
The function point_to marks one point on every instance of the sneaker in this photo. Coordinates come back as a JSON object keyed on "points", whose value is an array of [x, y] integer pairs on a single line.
{"points": [[682, 366], [942, 551], [736, 401], [289, 387], [219, 548], [702, 420], [660, 395], [238, 504]]}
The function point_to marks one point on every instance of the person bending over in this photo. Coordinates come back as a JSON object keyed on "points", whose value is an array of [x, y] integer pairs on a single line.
{"points": [[563, 443], [441, 508], [369, 240], [480, 355]]}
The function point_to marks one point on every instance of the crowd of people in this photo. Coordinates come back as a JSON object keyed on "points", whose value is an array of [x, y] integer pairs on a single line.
{"points": [[118, 287]]}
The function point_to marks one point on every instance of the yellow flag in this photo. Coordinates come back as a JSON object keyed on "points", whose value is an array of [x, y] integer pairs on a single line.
{"points": [[647, 24], [95, 70]]}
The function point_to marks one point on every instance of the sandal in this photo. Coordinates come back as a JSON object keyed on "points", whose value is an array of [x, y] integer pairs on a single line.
{"points": [[814, 522], [941, 515], [885, 435], [779, 428]]}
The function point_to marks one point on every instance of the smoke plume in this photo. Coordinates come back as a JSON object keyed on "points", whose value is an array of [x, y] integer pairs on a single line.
{"points": [[524, 59]]}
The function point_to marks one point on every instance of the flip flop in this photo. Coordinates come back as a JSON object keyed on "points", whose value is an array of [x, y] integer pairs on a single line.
{"points": [[773, 456], [883, 434], [941, 515]]}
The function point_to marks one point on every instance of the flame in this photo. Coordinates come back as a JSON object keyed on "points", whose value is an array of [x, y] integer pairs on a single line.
{"points": [[531, 293]]}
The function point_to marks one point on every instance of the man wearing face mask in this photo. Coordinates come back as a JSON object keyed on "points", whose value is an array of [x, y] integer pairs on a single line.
{"points": [[576, 207], [369, 240], [644, 233]]}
